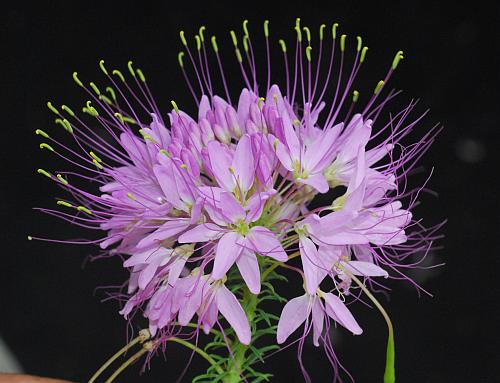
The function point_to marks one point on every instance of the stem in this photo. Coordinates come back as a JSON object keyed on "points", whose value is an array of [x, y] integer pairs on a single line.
{"points": [[237, 360], [389, 374], [129, 361], [200, 352]]}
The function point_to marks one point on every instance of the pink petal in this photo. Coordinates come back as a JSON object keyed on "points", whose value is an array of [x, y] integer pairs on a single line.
{"points": [[231, 309], [264, 241], [249, 269], [318, 316], [165, 231], [337, 310], [230, 208], [317, 181], [366, 269], [309, 257], [243, 163], [293, 315], [201, 233], [228, 250], [220, 162]]}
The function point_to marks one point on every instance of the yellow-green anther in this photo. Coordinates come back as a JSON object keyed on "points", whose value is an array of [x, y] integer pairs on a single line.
{"points": [[174, 104], [245, 27], [260, 102], [51, 107], [43, 145], [183, 38], [95, 88], [342, 43], [321, 31], [91, 110], [129, 195], [66, 125], [355, 96], [130, 68], [308, 34], [116, 72], [233, 37], [238, 55], [84, 209], [360, 43], [46, 174], [297, 22], [200, 31], [40, 132], [111, 92], [283, 45], [77, 80], [61, 179], [299, 33], [179, 58], [95, 157], [96, 163], [334, 30], [308, 53], [67, 109], [198, 42], [64, 203], [379, 86], [245, 43], [140, 74], [105, 99], [363, 54], [129, 120], [397, 59], [30, 238], [165, 152], [214, 44], [103, 68], [120, 117], [146, 136], [266, 28], [183, 166]]}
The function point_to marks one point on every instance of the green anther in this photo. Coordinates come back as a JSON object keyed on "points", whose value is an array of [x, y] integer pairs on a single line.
{"points": [[64, 203], [260, 102], [95, 157], [66, 125], [299, 34], [397, 59], [92, 111], [46, 174], [130, 68], [200, 31], [308, 53], [96, 163], [183, 38], [43, 145], [179, 58], [363, 54], [129, 195], [238, 55], [308, 34], [62, 180], [103, 68], [334, 30], [30, 238], [355, 96], [234, 38], [77, 80], [95, 88], [214, 44], [165, 152], [84, 209], [379, 86], [245, 43], [116, 72], [283, 45], [245, 28], [120, 117], [111, 92], [105, 99], [342, 42], [146, 136], [40, 132], [321, 31], [360, 43], [198, 42], [51, 107], [297, 22], [129, 120], [67, 109], [183, 166], [174, 104], [266, 28], [140, 74]]}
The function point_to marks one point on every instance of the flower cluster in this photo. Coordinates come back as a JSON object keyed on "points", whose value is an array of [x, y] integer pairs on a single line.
{"points": [[207, 205]]}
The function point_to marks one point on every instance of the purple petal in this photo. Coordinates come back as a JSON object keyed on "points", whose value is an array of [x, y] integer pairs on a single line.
{"points": [[309, 257], [249, 269], [264, 241], [293, 315], [220, 163], [201, 233], [318, 316], [165, 231], [230, 208], [366, 269], [337, 310], [228, 250], [317, 181], [231, 309], [243, 163]]}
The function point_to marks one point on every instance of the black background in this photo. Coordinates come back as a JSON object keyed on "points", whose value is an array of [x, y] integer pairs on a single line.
{"points": [[51, 317]]}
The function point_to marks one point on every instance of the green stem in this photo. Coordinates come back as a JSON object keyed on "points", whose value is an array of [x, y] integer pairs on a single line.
{"points": [[236, 362], [390, 373], [200, 352]]}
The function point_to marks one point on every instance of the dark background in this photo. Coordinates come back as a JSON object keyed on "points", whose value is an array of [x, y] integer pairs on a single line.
{"points": [[50, 315]]}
